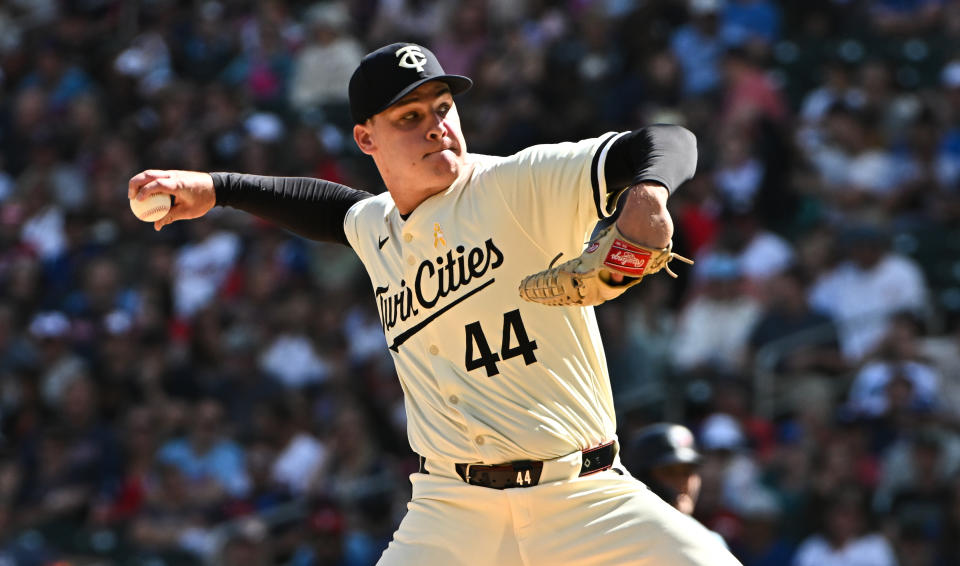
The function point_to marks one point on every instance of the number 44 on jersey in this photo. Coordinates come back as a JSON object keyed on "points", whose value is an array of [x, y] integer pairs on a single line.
{"points": [[483, 357]]}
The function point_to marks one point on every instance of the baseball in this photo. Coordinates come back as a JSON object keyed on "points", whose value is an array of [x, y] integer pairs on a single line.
{"points": [[152, 208]]}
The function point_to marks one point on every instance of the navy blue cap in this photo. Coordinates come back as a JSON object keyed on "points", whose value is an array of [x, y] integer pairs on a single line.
{"points": [[390, 73]]}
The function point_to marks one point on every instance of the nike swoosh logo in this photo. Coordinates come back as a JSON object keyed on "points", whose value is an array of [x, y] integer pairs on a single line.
{"points": [[382, 242]]}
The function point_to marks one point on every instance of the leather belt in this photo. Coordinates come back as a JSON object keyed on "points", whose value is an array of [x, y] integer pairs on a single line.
{"points": [[526, 473]]}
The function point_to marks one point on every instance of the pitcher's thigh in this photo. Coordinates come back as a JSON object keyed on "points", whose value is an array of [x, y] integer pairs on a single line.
{"points": [[612, 520], [454, 525]]}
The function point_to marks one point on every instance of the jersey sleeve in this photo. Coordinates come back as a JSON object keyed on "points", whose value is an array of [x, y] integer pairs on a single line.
{"points": [[554, 188], [311, 208], [661, 153], [360, 216], [351, 222]]}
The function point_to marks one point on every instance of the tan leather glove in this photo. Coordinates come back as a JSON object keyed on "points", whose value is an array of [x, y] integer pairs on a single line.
{"points": [[586, 281]]}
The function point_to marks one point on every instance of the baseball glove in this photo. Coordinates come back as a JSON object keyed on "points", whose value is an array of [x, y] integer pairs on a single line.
{"points": [[586, 281]]}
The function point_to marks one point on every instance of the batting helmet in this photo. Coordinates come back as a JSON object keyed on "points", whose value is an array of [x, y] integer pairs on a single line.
{"points": [[662, 444]]}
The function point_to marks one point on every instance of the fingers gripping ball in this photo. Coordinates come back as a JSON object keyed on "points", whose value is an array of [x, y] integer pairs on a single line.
{"points": [[586, 281], [152, 208]]}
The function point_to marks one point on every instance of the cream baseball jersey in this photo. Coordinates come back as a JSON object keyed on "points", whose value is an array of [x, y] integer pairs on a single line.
{"points": [[487, 376]]}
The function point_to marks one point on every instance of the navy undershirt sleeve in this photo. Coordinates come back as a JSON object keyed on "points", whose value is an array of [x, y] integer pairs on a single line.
{"points": [[312, 208], [661, 153]]}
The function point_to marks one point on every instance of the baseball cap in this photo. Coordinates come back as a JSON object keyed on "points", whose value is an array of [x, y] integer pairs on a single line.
{"points": [[663, 444], [393, 71], [721, 432]]}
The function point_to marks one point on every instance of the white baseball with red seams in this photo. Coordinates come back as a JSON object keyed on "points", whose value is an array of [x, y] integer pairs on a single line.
{"points": [[152, 208]]}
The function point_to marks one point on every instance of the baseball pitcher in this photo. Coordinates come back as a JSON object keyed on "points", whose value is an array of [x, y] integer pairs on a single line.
{"points": [[506, 388]]}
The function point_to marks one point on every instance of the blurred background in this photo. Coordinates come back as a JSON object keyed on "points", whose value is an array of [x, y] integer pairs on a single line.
{"points": [[220, 392]]}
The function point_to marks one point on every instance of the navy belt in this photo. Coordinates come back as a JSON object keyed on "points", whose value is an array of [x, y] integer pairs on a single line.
{"points": [[526, 473]]}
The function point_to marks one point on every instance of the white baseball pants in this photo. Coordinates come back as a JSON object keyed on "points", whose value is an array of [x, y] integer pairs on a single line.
{"points": [[604, 519]]}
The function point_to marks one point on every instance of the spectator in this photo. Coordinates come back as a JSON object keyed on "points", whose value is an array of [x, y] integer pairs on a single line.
{"points": [[201, 268], [916, 471], [788, 315], [264, 67], [943, 354], [664, 457], [699, 47], [760, 542], [721, 342], [866, 288], [750, 97], [740, 174], [931, 172], [211, 463], [57, 364], [69, 467], [206, 45], [43, 227], [836, 90], [760, 253], [147, 59], [290, 357], [300, 456], [844, 539], [899, 379], [60, 81], [461, 45], [916, 511], [728, 464], [174, 525], [323, 67]]}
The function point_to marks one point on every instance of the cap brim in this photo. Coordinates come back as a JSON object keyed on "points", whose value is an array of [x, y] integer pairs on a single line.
{"points": [[458, 84]]}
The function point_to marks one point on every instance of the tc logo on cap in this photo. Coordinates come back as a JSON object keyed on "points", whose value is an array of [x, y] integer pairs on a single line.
{"points": [[411, 57], [392, 72]]}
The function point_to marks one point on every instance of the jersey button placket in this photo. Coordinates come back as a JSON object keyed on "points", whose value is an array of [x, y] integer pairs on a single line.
{"points": [[434, 350], [408, 237], [453, 399], [479, 440]]}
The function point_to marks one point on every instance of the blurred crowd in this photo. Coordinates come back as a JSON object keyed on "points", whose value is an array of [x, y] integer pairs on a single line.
{"points": [[220, 392]]}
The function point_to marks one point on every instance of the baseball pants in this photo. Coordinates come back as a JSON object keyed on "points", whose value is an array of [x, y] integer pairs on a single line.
{"points": [[605, 519]]}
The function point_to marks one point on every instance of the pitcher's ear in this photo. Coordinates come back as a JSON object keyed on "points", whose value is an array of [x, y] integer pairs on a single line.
{"points": [[364, 138]]}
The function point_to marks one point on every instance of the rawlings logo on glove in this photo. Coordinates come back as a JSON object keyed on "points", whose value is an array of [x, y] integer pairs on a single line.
{"points": [[586, 280], [626, 258]]}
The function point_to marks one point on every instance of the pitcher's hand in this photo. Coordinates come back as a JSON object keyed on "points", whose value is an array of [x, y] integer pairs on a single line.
{"points": [[192, 191]]}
